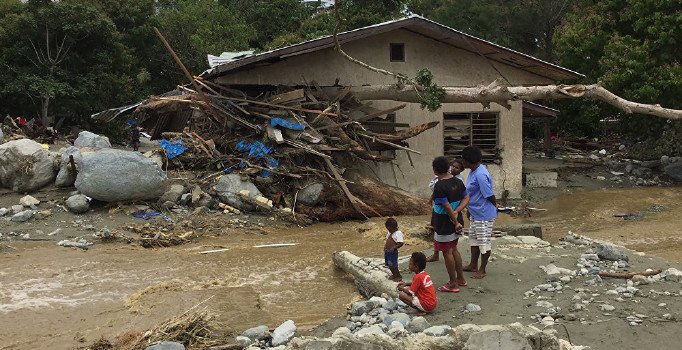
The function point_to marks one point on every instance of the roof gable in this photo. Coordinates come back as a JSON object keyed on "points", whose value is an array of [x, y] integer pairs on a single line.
{"points": [[416, 24]]}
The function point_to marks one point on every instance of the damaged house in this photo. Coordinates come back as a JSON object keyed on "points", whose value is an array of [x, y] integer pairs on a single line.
{"points": [[405, 46]]}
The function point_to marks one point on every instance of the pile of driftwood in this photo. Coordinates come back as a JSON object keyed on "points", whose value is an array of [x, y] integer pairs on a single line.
{"points": [[285, 138]]}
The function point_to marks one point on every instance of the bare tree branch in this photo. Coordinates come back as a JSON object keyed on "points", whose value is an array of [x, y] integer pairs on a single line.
{"points": [[501, 94]]}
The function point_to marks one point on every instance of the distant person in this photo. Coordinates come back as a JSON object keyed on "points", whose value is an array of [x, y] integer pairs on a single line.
{"points": [[456, 169], [420, 294], [134, 135], [394, 240], [449, 199], [482, 210]]}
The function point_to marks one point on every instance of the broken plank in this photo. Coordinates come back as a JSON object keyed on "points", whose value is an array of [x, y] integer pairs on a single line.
{"points": [[375, 139], [291, 96], [214, 251], [380, 113], [275, 245]]}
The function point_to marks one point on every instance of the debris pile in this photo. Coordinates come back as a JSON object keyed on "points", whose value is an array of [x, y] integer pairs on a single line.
{"points": [[288, 145]]}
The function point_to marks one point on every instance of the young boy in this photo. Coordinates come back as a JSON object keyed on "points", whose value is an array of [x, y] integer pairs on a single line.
{"points": [[449, 199], [455, 170], [420, 294], [482, 208], [394, 240], [134, 135]]}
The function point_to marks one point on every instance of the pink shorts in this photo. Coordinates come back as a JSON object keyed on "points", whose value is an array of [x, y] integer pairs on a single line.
{"points": [[444, 246]]}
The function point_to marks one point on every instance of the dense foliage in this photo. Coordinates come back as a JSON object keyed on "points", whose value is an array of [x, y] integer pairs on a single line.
{"points": [[71, 58]]}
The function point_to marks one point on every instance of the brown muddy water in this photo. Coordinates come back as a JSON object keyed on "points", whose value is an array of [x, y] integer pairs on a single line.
{"points": [[63, 298]]}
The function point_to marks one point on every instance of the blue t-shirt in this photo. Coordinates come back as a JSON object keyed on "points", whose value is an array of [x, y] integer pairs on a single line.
{"points": [[479, 188]]}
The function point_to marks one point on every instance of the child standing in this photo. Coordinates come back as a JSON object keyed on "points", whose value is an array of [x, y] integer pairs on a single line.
{"points": [[482, 209], [420, 295], [449, 198], [134, 135], [394, 240], [455, 170]]}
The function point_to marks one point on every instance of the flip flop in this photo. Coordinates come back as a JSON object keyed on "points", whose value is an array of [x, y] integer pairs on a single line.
{"points": [[444, 288], [463, 284]]}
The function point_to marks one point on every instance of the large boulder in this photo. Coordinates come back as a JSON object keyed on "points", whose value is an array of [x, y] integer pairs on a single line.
{"points": [[229, 186], [113, 175], [674, 171], [66, 176], [25, 166], [91, 140]]}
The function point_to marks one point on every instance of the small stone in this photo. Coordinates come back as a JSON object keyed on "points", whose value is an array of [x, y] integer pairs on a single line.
{"points": [[662, 305], [547, 321], [319, 344], [401, 317], [17, 208], [341, 331], [418, 325], [570, 317], [166, 345], [371, 330], [3, 211], [22, 216], [243, 341], [668, 316], [438, 331], [391, 305], [472, 308], [607, 308], [601, 178], [77, 204], [610, 252], [360, 307], [672, 274], [256, 333], [284, 333], [28, 201], [621, 148]]}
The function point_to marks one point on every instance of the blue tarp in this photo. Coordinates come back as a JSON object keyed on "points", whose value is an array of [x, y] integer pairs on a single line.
{"points": [[286, 124], [172, 149], [255, 149]]}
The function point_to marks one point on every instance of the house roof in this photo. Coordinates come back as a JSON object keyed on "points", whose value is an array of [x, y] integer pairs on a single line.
{"points": [[418, 25], [536, 110]]}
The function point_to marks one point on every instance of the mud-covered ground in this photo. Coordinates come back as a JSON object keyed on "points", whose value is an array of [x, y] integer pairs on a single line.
{"points": [[64, 298]]}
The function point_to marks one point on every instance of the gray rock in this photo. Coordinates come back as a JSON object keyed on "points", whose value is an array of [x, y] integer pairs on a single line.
{"points": [[609, 252], [17, 208], [497, 339], [651, 163], [371, 330], [243, 341], [628, 168], [166, 345], [77, 204], [284, 333], [2, 136], [256, 333], [391, 305], [25, 166], [607, 307], [516, 230], [29, 201], [665, 159], [672, 274], [310, 194], [473, 308], [319, 345], [185, 199], [438, 331], [113, 175], [230, 185], [173, 194], [91, 140], [401, 317], [67, 176], [642, 172], [22, 216], [360, 307], [570, 317], [674, 171], [341, 331], [418, 325], [3, 211]]}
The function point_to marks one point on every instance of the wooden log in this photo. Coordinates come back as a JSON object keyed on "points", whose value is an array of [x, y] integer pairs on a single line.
{"points": [[371, 278]]}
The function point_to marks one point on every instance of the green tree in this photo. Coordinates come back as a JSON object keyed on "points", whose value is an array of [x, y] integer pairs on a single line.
{"points": [[194, 28], [631, 47]]}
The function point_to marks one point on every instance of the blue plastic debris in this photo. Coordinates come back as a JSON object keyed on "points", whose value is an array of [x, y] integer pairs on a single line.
{"points": [[272, 162], [286, 124], [172, 149], [146, 215], [255, 149]]}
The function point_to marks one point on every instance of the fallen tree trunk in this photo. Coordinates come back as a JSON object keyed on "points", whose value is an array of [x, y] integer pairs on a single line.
{"points": [[498, 92], [371, 278], [377, 200], [629, 275]]}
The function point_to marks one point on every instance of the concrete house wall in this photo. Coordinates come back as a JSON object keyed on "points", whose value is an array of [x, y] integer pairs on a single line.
{"points": [[451, 66]]}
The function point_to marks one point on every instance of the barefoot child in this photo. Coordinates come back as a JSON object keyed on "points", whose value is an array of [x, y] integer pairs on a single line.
{"points": [[449, 198], [455, 170], [482, 208], [420, 294], [394, 240]]}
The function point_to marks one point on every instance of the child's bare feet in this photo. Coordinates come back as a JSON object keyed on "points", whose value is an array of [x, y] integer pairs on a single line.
{"points": [[396, 278], [432, 258], [479, 275]]}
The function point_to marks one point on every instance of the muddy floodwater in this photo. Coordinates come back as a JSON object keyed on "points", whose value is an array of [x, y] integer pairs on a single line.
{"points": [[63, 298]]}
